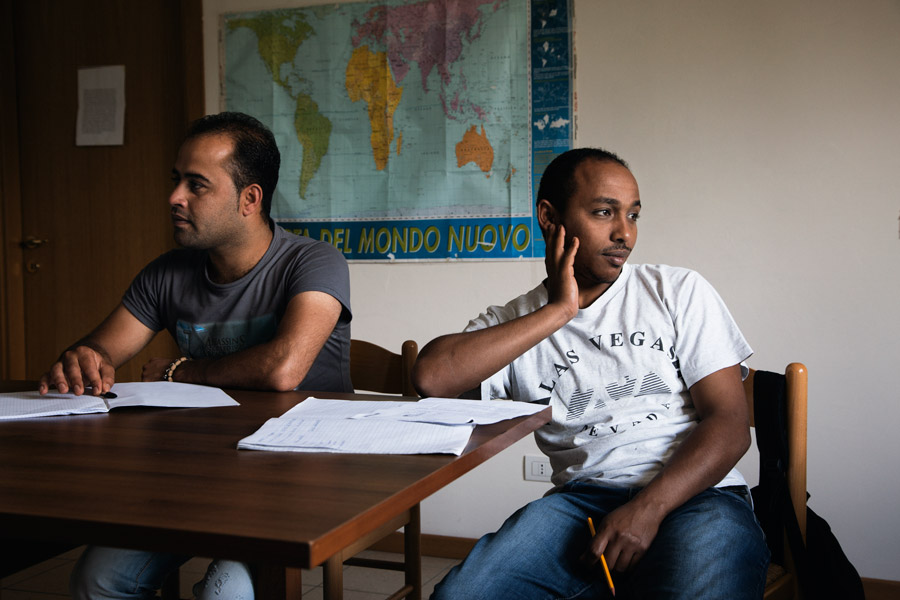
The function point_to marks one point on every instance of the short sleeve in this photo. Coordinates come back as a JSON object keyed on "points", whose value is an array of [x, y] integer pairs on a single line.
{"points": [[320, 267], [707, 337], [143, 296]]}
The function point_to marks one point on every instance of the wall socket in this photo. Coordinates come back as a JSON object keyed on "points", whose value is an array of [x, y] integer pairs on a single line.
{"points": [[537, 468]]}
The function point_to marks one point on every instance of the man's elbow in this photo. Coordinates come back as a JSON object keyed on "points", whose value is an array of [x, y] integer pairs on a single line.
{"points": [[744, 440], [422, 380], [284, 377], [429, 381], [283, 385], [735, 442]]}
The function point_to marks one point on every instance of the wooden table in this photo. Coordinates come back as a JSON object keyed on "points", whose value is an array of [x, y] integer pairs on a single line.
{"points": [[173, 480]]}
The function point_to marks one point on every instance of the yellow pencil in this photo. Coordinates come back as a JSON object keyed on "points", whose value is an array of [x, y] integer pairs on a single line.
{"points": [[612, 588]]}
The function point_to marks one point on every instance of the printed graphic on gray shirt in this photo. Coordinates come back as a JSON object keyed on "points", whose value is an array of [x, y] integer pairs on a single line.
{"points": [[212, 340]]}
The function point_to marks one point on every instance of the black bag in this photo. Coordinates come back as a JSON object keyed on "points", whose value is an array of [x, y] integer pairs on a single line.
{"points": [[823, 570]]}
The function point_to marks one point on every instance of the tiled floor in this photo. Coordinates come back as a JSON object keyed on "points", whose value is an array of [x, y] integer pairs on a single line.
{"points": [[49, 580]]}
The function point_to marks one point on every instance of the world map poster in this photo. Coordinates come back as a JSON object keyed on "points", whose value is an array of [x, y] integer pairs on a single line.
{"points": [[409, 129]]}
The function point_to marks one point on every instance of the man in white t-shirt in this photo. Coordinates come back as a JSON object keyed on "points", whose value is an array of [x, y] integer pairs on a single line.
{"points": [[642, 366]]}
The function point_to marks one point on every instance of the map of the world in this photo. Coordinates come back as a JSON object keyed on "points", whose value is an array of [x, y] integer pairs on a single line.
{"points": [[405, 127]]}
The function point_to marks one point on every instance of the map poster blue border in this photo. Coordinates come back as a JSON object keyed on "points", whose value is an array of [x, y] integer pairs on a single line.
{"points": [[424, 239], [482, 238], [552, 92]]}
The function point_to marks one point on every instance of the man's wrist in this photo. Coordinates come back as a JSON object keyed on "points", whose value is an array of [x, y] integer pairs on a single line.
{"points": [[559, 312], [169, 374]]}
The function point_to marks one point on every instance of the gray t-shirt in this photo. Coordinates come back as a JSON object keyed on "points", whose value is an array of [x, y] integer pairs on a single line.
{"points": [[209, 320]]}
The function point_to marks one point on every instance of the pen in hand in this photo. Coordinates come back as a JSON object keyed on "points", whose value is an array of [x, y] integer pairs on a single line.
{"points": [[609, 580]]}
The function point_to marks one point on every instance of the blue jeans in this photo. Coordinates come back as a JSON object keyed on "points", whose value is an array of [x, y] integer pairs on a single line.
{"points": [[710, 547], [115, 573]]}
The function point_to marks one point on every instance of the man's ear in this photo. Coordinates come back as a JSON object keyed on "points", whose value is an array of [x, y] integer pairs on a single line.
{"points": [[546, 215], [251, 200]]}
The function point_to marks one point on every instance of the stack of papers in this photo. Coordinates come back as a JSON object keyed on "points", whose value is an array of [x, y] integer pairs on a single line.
{"points": [[27, 405], [429, 426]]}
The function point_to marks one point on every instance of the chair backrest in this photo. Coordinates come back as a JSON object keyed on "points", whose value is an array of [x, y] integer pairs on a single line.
{"points": [[796, 392], [782, 581], [376, 369]]}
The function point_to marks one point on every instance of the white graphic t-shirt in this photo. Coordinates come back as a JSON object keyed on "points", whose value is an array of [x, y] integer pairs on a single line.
{"points": [[617, 375]]}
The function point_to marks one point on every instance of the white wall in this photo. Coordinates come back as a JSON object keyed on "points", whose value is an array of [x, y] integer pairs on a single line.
{"points": [[766, 140]]}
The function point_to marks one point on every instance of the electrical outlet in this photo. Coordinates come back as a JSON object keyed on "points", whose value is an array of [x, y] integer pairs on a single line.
{"points": [[537, 468]]}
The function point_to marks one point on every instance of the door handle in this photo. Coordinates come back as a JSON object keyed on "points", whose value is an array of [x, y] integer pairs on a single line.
{"points": [[31, 242]]}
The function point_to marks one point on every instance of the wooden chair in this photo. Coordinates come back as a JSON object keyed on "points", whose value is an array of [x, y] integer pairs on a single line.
{"points": [[377, 369], [781, 581]]}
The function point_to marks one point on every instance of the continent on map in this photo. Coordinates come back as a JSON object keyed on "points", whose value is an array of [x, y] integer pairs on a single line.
{"points": [[314, 134], [279, 34], [475, 148], [368, 78], [429, 34]]}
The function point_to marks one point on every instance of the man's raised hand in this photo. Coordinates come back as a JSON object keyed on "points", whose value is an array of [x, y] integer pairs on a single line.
{"points": [[562, 288]]}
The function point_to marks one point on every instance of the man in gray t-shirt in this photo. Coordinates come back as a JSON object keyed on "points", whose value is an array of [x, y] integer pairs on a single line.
{"points": [[250, 306], [235, 266]]}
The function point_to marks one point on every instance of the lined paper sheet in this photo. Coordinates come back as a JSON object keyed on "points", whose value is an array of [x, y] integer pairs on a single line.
{"points": [[370, 436], [25, 405], [451, 411], [445, 411]]}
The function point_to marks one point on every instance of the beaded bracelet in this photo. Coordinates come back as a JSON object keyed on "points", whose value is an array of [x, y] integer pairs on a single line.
{"points": [[170, 372]]}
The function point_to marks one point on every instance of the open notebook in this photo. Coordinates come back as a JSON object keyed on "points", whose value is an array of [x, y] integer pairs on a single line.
{"points": [[27, 405]]}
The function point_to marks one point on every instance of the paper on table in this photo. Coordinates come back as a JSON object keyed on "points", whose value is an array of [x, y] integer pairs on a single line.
{"points": [[432, 425], [26, 405], [445, 411], [169, 394], [453, 411], [374, 436], [320, 408]]}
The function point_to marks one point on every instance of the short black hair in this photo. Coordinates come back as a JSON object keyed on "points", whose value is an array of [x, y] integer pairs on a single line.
{"points": [[255, 158], [558, 181]]}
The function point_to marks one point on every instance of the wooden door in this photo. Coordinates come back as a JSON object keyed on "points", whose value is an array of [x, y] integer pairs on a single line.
{"points": [[99, 214]]}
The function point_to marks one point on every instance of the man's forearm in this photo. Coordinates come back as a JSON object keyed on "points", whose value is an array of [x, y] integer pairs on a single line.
{"points": [[701, 461], [720, 438], [453, 364], [259, 367], [280, 364]]}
